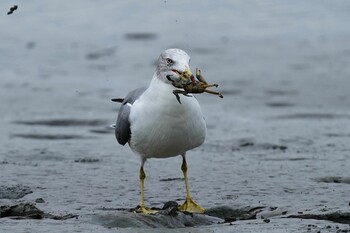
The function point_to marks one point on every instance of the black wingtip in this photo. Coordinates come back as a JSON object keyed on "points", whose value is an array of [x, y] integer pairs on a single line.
{"points": [[119, 100]]}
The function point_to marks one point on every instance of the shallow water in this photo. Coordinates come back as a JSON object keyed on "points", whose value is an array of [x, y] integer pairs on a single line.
{"points": [[278, 142]]}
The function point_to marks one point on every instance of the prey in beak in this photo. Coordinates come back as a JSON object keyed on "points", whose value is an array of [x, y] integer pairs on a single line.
{"points": [[190, 85], [183, 78]]}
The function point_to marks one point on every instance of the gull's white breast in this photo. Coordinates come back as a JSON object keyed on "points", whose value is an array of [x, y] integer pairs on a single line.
{"points": [[161, 127]]}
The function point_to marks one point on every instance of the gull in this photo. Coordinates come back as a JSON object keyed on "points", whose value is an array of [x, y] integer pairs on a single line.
{"points": [[156, 125]]}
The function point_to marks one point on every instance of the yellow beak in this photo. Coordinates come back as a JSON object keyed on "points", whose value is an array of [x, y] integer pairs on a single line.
{"points": [[185, 78], [187, 73]]}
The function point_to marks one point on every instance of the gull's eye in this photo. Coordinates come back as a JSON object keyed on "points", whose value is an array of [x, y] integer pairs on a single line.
{"points": [[169, 61]]}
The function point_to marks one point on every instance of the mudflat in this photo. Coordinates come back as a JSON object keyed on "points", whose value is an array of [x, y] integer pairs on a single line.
{"points": [[276, 157]]}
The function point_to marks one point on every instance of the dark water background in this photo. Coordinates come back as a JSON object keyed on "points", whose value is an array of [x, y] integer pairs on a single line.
{"points": [[279, 138]]}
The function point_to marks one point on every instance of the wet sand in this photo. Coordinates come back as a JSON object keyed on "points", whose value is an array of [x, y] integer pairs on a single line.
{"points": [[276, 158]]}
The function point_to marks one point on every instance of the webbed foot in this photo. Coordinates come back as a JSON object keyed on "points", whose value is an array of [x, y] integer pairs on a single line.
{"points": [[145, 210], [190, 206]]}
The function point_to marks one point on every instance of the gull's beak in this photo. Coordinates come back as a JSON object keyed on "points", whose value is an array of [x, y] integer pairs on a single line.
{"points": [[187, 73], [184, 78]]}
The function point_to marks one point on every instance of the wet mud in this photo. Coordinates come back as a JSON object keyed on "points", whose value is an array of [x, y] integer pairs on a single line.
{"points": [[313, 116], [276, 155], [337, 217], [100, 54], [49, 137], [279, 104], [140, 36], [14, 192], [62, 122]]}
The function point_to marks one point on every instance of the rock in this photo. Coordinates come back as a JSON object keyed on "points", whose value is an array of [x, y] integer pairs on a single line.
{"points": [[29, 211]]}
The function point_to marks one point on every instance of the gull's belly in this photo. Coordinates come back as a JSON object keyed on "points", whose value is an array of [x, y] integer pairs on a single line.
{"points": [[166, 128]]}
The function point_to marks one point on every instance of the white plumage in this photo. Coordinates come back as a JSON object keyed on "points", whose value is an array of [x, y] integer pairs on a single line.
{"points": [[161, 127], [156, 125]]}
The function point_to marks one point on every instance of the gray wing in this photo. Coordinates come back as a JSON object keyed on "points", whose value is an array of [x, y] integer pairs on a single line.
{"points": [[122, 130]]}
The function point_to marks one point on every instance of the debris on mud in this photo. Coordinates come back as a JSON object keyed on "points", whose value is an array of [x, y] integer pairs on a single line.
{"points": [[230, 215], [12, 9], [29, 211]]}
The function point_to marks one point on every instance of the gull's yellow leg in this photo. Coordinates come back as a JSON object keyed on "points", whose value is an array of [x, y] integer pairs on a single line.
{"points": [[142, 209], [189, 205]]}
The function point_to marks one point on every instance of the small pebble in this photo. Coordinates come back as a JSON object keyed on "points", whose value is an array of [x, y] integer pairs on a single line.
{"points": [[39, 200]]}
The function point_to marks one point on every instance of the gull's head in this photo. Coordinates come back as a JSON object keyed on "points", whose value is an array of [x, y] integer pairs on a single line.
{"points": [[173, 66]]}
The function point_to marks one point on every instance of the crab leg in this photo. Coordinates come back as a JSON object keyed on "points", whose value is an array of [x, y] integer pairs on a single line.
{"points": [[177, 92], [210, 85], [214, 93], [199, 76]]}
